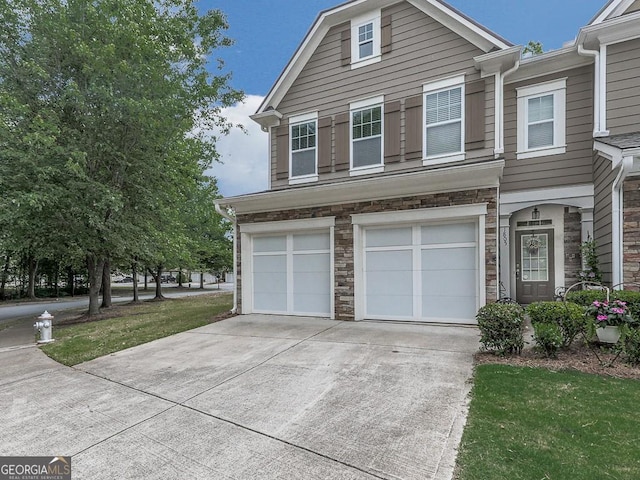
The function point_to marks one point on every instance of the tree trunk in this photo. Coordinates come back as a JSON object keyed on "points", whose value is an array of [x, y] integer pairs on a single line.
{"points": [[146, 278], [180, 277], [95, 266], [56, 279], [33, 269], [5, 275], [202, 280], [134, 271], [157, 276], [106, 284]]}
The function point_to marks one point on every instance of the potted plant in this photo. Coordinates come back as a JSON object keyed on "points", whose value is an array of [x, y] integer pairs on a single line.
{"points": [[607, 317]]}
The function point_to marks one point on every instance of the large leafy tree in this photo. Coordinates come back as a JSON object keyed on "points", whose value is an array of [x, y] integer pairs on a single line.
{"points": [[104, 109]]}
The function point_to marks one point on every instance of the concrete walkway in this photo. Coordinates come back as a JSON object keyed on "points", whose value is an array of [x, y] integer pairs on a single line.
{"points": [[251, 397]]}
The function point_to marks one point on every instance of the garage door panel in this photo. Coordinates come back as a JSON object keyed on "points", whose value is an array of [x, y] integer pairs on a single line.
{"points": [[461, 282], [389, 237], [313, 283], [316, 262], [390, 305], [389, 261], [453, 233], [394, 283], [270, 244], [310, 241], [311, 303], [269, 282], [270, 263], [452, 307], [444, 259], [270, 302]]}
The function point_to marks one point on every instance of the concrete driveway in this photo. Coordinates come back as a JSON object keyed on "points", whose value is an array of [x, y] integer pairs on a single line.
{"points": [[251, 397]]}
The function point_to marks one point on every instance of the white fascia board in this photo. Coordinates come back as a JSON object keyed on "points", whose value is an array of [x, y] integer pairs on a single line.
{"points": [[609, 152], [267, 119], [497, 62], [449, 179], [612, 31], [460, 25], [549, 63]]}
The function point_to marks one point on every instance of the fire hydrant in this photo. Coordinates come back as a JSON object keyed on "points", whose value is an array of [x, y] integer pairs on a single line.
{"points": [[45, 327]]}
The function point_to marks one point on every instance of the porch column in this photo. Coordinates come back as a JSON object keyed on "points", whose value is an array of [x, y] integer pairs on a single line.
{"points": [[505, 253], [586, 220]]}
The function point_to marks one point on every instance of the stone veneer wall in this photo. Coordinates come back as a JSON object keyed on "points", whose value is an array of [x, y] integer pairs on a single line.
{"points": [[631, 234], [572, 240], [343, 233]]}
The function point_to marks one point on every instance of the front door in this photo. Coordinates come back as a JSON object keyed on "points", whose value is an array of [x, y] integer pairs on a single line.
{"points": [[534, 266]]}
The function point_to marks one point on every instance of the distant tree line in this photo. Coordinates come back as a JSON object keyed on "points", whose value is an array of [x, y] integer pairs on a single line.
{"points": [[106, 114]]}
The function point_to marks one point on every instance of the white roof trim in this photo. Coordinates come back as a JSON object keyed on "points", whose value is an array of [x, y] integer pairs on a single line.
{"points": [[457, 178], [614, 9], [343, 13]]}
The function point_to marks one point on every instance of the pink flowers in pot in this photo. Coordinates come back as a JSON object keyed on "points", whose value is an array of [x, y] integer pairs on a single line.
{"points": [[613, 313]]}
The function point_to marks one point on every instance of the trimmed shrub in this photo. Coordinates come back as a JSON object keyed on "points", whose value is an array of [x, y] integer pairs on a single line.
{"points": [[630, 341], [548, 338], [586, 297], [567, 316], [501, 326]]}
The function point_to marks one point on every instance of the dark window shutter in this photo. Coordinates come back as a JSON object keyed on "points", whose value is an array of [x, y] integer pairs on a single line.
{"points": [[474, 134], [282, 152], [324, 145], [392, 132], [342, 142], [385, 39], [414, 127], [346, 47]]}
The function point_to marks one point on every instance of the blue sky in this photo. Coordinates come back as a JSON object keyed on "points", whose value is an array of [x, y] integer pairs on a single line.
{"points": [[267, 33]]}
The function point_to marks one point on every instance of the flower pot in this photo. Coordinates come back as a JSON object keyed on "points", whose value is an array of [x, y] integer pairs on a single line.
{"points": [[608, 334]]}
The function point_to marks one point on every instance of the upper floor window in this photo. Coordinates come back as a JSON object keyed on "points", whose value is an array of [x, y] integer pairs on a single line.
{"points": [[542, 119], [366, 135], [303, 134], [365, 39], [444, 120]]}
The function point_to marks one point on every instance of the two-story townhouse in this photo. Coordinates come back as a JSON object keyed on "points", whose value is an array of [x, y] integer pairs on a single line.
{"points": [[417, 159]]}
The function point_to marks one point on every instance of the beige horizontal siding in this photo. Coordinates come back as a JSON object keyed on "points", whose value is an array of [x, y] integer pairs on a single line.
{"points": [[572, 167], [423, 50], [623, 87], [603, 177]]}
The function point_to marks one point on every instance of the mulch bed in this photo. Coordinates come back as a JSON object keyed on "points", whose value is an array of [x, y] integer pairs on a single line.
{"points": [[578, 357]]}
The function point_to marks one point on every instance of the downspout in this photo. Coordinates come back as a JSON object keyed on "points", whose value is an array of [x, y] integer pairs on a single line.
{"points": [[500, 112], [597, 121], [233, 220], [617, 221]]}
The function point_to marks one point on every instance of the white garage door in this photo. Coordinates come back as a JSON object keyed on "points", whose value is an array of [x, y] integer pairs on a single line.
{"points": [[291, 274], [422, 273]]}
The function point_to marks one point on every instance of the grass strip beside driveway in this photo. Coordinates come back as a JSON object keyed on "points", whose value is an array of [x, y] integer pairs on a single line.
{"points": [[533, 423], [134, 325]]}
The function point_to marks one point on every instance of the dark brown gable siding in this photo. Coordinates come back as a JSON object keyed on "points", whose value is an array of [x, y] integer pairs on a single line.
{"points": [[413, 127], [385, 39], [324, 145], [474, 115], [342, 141], [346, 46], [282, 152], [392, 132]]}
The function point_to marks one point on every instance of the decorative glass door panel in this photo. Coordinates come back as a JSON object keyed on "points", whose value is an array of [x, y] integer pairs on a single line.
{"points": [[535, 257]]}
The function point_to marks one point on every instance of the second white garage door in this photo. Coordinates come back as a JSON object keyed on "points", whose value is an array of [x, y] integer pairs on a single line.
{"points": [[422, 272], [291, 274]]}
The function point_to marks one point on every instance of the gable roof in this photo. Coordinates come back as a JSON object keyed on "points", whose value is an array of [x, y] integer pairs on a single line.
{"points": [[463, 25], [613, 9]]}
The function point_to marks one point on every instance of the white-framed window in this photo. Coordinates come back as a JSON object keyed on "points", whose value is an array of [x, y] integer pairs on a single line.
{"points": [[542, 119], [303, 135], [444, 120], [367, 136], [365, 39]]}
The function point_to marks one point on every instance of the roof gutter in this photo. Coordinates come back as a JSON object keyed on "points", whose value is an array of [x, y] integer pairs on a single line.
{"points": [[499, 147], [234, 222], [599, 105]]}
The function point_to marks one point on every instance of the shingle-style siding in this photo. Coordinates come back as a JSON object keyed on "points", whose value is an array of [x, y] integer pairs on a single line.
{"points": [[422, 50], [623, 87], [570, 168], [343, 234], [603, 177]]}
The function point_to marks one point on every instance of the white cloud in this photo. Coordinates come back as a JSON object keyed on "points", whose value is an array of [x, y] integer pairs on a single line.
{"points": [[245, 156]]}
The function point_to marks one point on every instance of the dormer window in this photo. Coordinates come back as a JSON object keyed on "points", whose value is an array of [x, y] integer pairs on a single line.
{"points": [[365, 40]]}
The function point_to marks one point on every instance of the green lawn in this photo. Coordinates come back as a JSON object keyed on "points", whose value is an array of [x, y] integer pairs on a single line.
{"points": [[535, 424], [134, 325]]}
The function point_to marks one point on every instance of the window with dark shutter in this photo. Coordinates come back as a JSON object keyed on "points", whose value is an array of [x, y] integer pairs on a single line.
{"points": [[385, 41], [346, 47], [324, 145], [342, 141], [475, 116]]}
